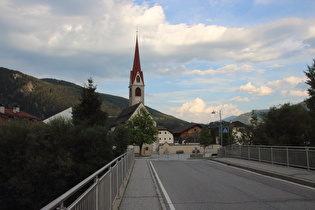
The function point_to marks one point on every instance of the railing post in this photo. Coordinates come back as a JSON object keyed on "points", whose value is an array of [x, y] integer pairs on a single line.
{"points": [[307, 158], [110, 186], [248, 152], [271, 155], [96, 192], [117, 177], [287, 152]]}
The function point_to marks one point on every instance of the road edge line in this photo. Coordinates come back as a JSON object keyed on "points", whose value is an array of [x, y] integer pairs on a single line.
{"points": [[161, 186]]}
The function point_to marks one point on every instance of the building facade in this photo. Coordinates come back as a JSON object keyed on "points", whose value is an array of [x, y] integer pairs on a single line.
{"points": [[165, 136]]}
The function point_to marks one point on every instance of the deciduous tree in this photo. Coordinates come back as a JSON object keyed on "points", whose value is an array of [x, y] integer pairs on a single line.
{"points": [[143, 129]]}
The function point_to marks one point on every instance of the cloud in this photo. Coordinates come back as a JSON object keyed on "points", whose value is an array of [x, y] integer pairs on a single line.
{"points": [[274, 66], [289, 86], [239, 99], [198, 111], [298, 93], [229, 69], [257, 91], [286, 82]]}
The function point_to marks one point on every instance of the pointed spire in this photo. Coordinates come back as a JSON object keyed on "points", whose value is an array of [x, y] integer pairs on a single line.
{"points": [[136, 64], [136, 61]]}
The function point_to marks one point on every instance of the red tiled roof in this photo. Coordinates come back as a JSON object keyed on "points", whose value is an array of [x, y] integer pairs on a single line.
{"points": [[136, 65], [9, 114]]}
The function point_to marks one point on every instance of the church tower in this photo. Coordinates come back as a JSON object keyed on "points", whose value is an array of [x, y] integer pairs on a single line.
{"points": [[136, 84]]}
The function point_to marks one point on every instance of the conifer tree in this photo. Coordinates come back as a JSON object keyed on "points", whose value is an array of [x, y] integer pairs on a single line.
{"points": [[310, 73], [88, 112]]}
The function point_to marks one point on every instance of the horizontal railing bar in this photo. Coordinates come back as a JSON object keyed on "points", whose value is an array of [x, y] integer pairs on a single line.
{"points": [[55, 203]]}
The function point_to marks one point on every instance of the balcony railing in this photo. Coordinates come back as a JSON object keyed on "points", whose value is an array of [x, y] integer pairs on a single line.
{"points": [[102, 187], [302, 157]]}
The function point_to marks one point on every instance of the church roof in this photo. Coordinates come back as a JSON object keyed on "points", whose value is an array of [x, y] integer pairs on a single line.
{"points": [[136, 65], [126, 114]]}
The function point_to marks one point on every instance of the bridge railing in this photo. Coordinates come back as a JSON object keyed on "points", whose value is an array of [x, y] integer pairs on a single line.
{"points": [[303, 157], [102, 187]]}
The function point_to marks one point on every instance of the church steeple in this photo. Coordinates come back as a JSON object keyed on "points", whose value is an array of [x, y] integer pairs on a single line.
{"points": [[136, 84]]}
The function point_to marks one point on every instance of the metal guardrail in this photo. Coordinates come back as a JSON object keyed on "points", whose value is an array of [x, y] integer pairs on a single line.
{"points": [[302, 157], [101, 194]]}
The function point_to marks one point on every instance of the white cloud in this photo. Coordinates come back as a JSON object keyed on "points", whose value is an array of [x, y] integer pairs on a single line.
{"points": [[257, 91], [274, 66], [286, 82], [198, 111], [239, 99], [229, 69], [298, 93]]}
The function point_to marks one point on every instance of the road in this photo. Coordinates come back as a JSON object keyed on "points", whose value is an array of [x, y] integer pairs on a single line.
{"points": [[203, 184]]}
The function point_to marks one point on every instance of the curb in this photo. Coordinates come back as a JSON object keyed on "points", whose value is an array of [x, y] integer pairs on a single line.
{"points": [[271, 174]]}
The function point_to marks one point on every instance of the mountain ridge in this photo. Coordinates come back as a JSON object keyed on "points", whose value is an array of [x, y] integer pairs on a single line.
{"points": [[46, 97]]}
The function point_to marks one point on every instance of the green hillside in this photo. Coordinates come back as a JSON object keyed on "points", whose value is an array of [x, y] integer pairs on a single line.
{"points": [[46, 97]]}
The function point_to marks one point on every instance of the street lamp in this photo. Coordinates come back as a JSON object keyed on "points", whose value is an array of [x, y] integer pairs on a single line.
{"points": [[220, 113]]}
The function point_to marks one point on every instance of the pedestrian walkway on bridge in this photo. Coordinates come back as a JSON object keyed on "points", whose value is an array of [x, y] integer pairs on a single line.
{"points": [[142, 191]]}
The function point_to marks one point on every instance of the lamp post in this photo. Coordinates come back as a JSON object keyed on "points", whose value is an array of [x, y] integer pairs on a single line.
{"points": [[220, 113]]}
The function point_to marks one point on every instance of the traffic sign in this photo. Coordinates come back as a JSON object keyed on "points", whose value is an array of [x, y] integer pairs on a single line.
{"points": [[225, 130]]}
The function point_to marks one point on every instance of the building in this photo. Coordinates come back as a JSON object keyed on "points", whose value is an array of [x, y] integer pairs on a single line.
{"points": [[165, 136], [136, 91], [65, 114], [187, 134], [136, 84], [15, 114]]}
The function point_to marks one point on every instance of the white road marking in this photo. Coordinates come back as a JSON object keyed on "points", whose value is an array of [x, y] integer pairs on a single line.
{"points": [[168, 200]]}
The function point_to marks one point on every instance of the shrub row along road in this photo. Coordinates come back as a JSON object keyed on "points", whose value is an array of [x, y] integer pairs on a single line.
{"points": [[202, 184]]}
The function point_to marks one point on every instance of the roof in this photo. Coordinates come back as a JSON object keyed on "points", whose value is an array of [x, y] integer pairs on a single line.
{"points": [[64, 114], [184, 128], [9, 114], [126, 114], [136, 65]]}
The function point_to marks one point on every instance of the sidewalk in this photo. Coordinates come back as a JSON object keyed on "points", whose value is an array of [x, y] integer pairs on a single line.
{"points": [[297, 175], [141, 191]]}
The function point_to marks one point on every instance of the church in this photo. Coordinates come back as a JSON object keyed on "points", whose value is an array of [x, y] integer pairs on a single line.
{"points": [[136, 91]]}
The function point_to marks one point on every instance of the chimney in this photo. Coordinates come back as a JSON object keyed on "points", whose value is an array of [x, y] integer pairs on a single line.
{"points": [[2, 109], [16, 109]]}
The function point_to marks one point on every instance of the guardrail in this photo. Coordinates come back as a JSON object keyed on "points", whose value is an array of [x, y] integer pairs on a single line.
{"points": [[102, 187], [303, 157]]}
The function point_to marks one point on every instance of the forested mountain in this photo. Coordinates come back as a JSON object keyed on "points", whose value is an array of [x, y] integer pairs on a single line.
{"points": [[46, 97]]}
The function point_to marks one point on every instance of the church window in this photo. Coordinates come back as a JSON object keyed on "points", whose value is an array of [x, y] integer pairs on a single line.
{"points": [[138, 79], [138, 91]]}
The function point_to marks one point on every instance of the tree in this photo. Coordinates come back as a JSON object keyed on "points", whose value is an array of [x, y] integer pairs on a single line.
{"points": [[287, 125], [121, 139], [205, 137], [88, 112], [310, 73], [142, 129]]}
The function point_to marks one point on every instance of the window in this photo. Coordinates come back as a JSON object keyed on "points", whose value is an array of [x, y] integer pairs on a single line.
{"points": [[138, 79], [138, 91]]}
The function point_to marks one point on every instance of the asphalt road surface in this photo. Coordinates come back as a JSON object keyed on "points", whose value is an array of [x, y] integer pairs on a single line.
{"points": [[203, 184]]}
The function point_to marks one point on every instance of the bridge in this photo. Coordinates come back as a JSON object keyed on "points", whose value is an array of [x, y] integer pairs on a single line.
{"points": [[177, 182]]}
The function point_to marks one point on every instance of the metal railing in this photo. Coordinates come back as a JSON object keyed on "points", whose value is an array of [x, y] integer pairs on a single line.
{"points": [[303, 157], [103, 186]]}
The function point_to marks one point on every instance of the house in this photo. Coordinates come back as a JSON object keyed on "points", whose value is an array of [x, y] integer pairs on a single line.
{"points": [[165, 136], [66, 114], [187, 134], [15, 113]]}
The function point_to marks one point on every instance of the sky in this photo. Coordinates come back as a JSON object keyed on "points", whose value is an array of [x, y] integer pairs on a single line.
{"points": [[197, 57]]}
